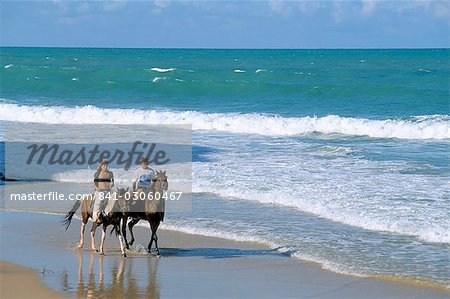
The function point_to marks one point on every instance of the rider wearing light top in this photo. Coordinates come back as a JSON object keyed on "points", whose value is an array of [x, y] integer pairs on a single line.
{"points": [[143, 176]]}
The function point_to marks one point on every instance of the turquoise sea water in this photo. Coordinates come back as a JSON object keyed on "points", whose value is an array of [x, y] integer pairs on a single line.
{"points": [[362, 83], [334, 156]]}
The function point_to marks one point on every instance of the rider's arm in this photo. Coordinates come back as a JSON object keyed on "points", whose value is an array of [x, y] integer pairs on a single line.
{"points": [[95, 186], [112, 179]]}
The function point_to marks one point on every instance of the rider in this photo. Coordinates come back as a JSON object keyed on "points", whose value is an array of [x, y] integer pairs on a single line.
{"points": [[143, 176], [103, 182]]}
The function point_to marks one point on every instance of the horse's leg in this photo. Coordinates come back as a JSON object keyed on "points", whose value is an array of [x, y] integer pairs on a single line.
{"points": [[83, 226], [130, 227], [102, 252], [93, 229], [149, 248], [122, 249], [156, 225], [153, 226], [124, 230]]}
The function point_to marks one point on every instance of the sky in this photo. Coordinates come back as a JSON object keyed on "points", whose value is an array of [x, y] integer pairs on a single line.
{"points": [[226, 24]]}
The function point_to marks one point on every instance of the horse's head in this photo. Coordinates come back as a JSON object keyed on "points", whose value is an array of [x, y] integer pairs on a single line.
{"points": [[161, 183], [121, 192]]}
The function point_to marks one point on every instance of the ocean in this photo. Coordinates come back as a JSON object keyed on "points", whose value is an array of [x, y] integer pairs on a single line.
{"points": [[339, 157]]}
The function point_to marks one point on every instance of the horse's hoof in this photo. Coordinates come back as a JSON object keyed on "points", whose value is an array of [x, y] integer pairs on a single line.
{"points": [[79, 246], [124, 255], [94, 249], [102, 253], [131, 243]]}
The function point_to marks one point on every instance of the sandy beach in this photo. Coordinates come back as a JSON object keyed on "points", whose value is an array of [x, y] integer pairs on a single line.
{"points": [[191, 266], [20, 282]]}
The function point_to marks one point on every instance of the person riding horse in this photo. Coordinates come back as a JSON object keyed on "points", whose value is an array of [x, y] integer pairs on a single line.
{"points": [[143, 177], [103, 182]]}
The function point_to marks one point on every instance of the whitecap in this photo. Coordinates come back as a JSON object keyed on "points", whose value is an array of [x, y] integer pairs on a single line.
{"points": [[156, 79], [161, 70]]}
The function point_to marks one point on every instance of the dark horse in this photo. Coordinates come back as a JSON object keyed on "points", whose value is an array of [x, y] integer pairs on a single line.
{"points": [[112, 216], [150, 210]]}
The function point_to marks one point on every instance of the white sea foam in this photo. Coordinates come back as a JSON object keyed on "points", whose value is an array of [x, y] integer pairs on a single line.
{"points": [[421, 127], [373, 195], [161, 70], [260, 70], [339, 211], [239, 71], [156, 79], [8, 66]]}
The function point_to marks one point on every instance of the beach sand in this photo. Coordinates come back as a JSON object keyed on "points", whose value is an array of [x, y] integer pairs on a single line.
{"points": [[191, 266], [20, 282]]}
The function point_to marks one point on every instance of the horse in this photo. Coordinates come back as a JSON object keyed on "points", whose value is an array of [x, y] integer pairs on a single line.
{"points": [[153, 210], [110, 217]]}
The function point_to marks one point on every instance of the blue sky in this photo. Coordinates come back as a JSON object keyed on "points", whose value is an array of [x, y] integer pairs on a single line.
{"points": [[227, 24]]}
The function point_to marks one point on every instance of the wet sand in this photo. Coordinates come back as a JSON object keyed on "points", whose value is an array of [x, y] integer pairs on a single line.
{"points": [[20, 282], [191, 266]]}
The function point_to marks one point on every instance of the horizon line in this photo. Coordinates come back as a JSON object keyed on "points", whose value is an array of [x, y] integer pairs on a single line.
{"points": [[220, 48]]}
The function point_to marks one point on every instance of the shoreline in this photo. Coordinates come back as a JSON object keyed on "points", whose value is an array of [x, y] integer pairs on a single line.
{"points": [[187, 262], [187, 237], [417, 282]]}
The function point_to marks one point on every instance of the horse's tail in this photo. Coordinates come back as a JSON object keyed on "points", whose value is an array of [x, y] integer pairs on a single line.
{"points": [[68, 217]]}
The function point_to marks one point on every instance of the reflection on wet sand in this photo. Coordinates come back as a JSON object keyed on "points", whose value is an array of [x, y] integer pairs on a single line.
{"points": [[114, 279]]}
